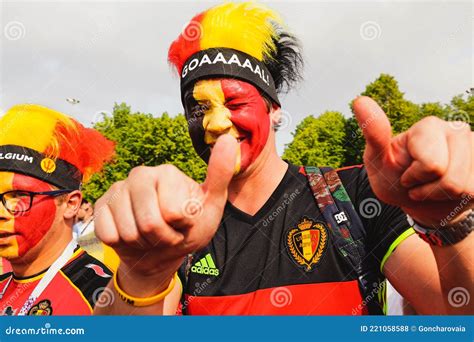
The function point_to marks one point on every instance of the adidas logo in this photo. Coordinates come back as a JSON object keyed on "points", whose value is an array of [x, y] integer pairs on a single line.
{"points": [[205, 266]]}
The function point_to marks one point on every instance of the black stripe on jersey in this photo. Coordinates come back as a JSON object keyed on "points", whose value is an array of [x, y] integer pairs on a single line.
{"points": [[85, 278]]}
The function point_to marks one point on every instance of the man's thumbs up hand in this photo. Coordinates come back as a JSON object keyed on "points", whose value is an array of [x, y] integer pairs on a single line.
{"points": [[427, 170], [158, 215]]}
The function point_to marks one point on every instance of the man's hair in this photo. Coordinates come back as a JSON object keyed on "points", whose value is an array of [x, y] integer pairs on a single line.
{"points": [[56, 136], [248, 27]]}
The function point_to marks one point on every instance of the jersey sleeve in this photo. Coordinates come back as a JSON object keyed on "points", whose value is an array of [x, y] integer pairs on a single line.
{"points": [[386, 225], [89, 276]]}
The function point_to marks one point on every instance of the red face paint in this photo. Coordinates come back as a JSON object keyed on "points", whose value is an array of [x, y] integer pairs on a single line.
{"points": [[216, 107], [33, 225], [249, 115]]}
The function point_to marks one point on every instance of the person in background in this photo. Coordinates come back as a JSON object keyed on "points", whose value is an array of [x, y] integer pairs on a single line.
{"points": [[84, 220], [45, 156]]}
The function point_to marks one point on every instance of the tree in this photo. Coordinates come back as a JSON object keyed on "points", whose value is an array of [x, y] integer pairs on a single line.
{"points": [[318, 141], [142, 139], [354, 143], [401, 113], [462, 109]]}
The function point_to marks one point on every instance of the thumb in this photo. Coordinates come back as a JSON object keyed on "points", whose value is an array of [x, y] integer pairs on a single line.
{"points": [[221, 166], [374, 124]]}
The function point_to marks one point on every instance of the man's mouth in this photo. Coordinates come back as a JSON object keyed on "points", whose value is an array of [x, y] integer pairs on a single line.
{"points": [[239, 140], [4, 237], [5, 234]]}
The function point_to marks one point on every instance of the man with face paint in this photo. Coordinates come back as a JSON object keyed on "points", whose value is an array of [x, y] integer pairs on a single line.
{"points": [[43, 162], [262, 236]]}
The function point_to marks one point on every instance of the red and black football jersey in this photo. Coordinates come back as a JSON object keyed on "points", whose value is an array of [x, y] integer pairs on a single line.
{"points": [[282, 260], [74, 290]]}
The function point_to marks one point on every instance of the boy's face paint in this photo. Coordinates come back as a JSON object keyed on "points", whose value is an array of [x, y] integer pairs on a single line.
{"points": [[20, 233], [219, 106]]}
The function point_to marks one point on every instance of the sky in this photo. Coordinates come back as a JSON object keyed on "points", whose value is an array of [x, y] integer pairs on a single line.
{"points": [[102, 52]]}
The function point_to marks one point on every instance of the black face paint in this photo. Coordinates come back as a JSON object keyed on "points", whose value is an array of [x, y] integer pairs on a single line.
{"points": [[195, 117]]}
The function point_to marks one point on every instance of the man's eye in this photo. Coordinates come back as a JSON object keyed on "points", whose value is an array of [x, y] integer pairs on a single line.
{"points": [[234, 105], [199, 110], [16, 195]]}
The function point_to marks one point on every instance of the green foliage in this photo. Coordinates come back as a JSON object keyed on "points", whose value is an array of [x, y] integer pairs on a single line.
{"points": [[401, 113], [142, 139], [318, 141], [462, 109], [326, 140], [309, 147], [354, 143]]}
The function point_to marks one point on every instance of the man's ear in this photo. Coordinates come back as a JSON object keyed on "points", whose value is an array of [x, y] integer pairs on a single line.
{"points": [[275, 116], [73, 203]]}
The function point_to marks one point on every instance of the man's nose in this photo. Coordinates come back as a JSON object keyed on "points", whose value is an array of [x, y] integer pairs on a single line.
{"points": [[217, 122], [5, 215]]}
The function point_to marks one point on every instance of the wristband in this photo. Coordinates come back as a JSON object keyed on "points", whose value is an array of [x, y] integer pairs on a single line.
{"points": [[445, 236], [136, 301]]}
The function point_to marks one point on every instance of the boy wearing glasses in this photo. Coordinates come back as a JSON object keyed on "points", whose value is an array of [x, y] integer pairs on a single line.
{"points": [[43, 162]]}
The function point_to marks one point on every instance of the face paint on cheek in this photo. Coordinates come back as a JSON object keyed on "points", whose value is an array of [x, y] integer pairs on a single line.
{"points": [[33, 225], [212, 121], [8, 245], [251, 119]]}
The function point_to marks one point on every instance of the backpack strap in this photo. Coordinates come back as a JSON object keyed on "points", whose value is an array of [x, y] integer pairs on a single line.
{"points": [[338, 211], [345, 226]]}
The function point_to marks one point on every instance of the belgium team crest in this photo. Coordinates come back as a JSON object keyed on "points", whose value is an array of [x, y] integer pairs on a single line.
{"points": [[43, 308], [307, 243]]}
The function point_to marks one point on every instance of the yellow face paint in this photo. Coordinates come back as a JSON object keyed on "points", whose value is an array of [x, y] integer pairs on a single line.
{"points": [[217, 116], [8, 245]]}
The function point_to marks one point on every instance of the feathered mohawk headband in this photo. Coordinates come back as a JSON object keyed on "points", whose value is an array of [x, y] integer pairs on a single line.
{"points": [[48, 145], [246, 41]]}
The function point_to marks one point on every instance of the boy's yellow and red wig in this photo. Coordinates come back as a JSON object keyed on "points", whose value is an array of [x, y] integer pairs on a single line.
{"points": [[46, 144], [253, 29]]}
